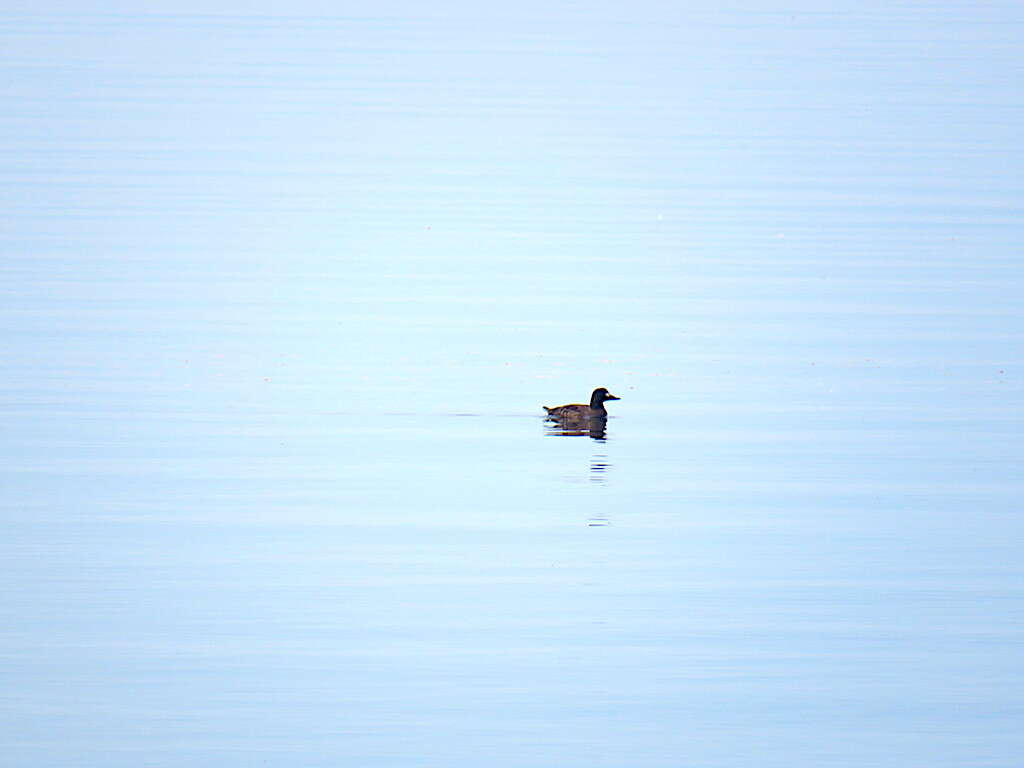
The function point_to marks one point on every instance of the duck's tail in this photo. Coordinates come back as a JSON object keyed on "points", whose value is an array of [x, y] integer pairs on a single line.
{"points": [[548, 410]]}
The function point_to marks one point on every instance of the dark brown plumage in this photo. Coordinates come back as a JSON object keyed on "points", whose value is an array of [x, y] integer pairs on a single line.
{"points": [[582, 413]]}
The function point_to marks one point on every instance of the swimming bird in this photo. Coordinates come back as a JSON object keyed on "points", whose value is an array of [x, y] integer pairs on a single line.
{"points": [[583, 413]]}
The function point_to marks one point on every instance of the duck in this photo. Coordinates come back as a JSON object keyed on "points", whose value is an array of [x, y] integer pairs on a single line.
{"points": [[583, 413]]}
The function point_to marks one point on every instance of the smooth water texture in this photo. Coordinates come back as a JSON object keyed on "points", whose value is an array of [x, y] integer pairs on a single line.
{"points": [[283, 293]]}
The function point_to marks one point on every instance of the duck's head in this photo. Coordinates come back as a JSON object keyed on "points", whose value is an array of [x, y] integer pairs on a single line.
{"points": [[601, 395]]}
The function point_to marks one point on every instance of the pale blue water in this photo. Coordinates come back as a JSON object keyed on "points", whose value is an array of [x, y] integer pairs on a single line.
{"points": [[282, 295]]}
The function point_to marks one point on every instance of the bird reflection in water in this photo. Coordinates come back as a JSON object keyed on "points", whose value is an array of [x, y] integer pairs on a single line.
{"points": [[594, 429], [578, 420], [598, 467]]}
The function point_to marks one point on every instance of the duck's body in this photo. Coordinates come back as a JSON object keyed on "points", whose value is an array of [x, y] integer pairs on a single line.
{"points": [[575, 412]]}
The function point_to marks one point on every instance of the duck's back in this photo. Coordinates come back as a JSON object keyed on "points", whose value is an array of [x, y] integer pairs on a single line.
{"points": [[560, 410], [573, 411]]}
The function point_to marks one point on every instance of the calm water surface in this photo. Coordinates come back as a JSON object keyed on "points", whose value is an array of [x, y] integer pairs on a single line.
{"points": [[283, 294]]}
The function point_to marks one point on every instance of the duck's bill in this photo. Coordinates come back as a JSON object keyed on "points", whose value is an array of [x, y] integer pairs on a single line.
{"points": [[612, 397]]}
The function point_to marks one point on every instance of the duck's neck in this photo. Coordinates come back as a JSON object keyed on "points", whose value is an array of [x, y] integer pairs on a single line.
{"points": [[597, 402]]}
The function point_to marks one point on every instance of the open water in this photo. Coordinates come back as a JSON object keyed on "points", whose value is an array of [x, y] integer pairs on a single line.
{"points": [[282, 293]]}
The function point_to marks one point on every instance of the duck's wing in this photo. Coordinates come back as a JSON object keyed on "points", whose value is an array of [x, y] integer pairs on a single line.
{"points": [[562, 408], [572, 412]]}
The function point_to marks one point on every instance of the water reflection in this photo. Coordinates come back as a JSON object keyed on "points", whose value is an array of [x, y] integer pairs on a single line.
{"points": [[592, 428], [598, 474]]}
